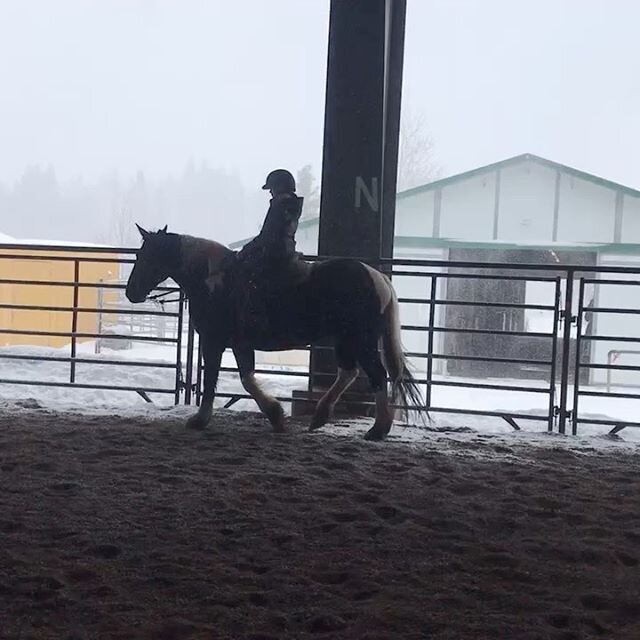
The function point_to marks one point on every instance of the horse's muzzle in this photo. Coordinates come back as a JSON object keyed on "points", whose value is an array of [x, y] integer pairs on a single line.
{"points": [[135, 296]]}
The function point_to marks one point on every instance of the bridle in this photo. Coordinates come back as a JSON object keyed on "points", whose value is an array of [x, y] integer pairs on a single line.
{"points": [[157, 298]]}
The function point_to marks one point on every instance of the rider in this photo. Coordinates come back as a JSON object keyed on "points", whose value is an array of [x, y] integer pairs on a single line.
{"points": [[276, 239], [270, 262]]}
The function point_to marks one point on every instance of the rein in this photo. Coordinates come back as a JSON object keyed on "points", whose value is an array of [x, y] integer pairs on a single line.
{"points": [[157, 298], [161, 298]]}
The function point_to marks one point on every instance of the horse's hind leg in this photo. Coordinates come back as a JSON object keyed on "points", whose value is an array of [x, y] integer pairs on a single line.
{"points": [[245, 358], [369, 360], [347, 373]]}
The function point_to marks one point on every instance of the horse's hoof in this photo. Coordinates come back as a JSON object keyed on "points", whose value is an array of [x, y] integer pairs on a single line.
{"points": [[317, 423], [377, 433], [197, 422], [275, 415], [279, 426], [320, 418]]}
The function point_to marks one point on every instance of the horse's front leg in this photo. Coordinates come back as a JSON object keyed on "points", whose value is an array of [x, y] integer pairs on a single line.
{"points": [[246, 360], [212, 355]]}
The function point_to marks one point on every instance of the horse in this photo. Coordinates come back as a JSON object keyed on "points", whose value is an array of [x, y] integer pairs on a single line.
{"points": [[339, 301]]}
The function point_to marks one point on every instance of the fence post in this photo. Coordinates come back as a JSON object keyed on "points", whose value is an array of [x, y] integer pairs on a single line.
{"points": [[161, 326], [565, 314], [179, 349], [199, 374], [74, 319], [554, 355], [576, 377], [100, 300], [610, 361], [188, 383], [432, 316]]}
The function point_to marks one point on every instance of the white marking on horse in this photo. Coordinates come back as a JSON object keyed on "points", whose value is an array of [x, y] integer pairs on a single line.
{"points": [[193, 250], [382, 285], [325, 407], [267, 404], [253, 388]]}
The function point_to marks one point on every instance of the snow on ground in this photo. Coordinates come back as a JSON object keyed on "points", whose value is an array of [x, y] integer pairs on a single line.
{"points": [[158, 377], [153, 379]]}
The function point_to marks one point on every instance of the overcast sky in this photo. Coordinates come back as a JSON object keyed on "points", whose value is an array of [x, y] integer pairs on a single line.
{"points": [[95, 85]]}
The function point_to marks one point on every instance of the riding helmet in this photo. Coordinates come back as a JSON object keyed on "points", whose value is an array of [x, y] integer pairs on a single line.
{"points": [[280, 181]]}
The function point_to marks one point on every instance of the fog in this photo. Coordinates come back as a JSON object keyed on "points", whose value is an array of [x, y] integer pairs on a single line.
{"points": [[162, 111], [558, 78]]}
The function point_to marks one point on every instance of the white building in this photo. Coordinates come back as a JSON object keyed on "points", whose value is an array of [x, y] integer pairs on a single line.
{"points": [[524, 209]]}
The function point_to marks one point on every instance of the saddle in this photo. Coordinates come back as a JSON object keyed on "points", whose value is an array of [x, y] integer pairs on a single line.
{"points": [[265, 299]]}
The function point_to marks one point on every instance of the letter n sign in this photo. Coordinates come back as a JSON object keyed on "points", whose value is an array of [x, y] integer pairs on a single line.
{"points": [[372, 195]]}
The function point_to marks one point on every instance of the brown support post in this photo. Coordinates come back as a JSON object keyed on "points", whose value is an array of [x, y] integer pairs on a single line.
{"points": [[360, 154]]}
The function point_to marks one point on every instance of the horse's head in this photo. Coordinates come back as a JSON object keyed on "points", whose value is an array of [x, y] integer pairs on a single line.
{"points": [[157, 259]]}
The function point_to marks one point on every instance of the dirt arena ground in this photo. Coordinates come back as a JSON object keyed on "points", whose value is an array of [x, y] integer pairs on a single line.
{"points": [[136, 528]]}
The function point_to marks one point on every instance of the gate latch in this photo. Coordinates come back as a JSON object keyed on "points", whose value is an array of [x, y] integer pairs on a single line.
{"points": [[558, 412]]}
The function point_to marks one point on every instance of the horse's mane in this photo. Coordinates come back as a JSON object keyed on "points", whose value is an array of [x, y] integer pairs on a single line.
{"points": [[208, 255], [193, 250]]}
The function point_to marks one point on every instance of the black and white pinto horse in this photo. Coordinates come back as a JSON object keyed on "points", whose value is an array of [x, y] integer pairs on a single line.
{"points": [[340, 301]]}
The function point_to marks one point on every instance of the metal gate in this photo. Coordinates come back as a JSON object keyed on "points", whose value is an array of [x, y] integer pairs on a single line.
{"points": [[590, 338]]}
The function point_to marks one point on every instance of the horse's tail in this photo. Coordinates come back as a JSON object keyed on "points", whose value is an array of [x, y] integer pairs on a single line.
{"points": [[404, 386]]}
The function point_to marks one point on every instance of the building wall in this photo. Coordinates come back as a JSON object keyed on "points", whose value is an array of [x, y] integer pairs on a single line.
{"points": [[526, 202], [467, 209], [47, 295], [630, 231], [525, 208], [415, 215], [586, 211]]}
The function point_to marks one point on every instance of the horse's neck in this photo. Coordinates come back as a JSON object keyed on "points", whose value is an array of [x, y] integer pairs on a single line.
{"points": [[199, 259]]}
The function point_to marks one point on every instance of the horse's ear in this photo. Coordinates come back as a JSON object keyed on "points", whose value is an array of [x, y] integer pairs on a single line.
{"points": [[143, 232], [164, 229]]}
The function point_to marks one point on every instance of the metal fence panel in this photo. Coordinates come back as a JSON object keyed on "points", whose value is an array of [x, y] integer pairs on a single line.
{"points": [[469, 327]]}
